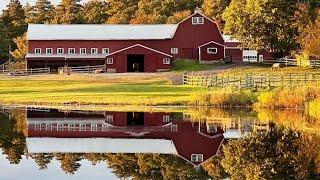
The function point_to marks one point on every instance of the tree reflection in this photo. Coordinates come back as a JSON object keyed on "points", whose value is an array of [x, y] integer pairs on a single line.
{"points": [[278, 154], [12, 139], [69, 161]]}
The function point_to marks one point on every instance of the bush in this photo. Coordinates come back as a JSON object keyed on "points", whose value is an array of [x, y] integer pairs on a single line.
{"points": [[221, 99], [314, 109], [303, 60]]}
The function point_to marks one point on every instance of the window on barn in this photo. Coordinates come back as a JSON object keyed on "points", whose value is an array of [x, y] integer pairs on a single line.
{"points": [[60, 50], [174, 50], [71, 51], [196, 157], [94, 50], [212, 50], [48, 50], [109, 60], [197, 20], [166, 60], [109, 119], [37, 50], [83, 51], [166, 119], [105, 51]]}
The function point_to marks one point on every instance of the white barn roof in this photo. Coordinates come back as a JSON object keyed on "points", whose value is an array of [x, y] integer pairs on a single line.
{"points": [[100, 32], [100, 145]]}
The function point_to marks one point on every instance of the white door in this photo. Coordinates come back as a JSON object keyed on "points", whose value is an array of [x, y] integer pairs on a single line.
{"points": [[250, 55]]}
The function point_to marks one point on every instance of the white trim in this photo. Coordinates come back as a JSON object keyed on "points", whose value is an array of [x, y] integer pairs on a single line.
{"points": [[85, 50], [210, 43], [104, 49], [69, 49], [212, 48], [35, 50], [49, 49], [95, 49], [233, 48], [174, 50], [109, 60], [166, 60], [60, 49], [139, 46]]}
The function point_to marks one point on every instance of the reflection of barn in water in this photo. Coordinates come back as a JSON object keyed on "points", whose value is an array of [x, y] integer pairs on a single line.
{"points": [[121, 132], [233, 127]]}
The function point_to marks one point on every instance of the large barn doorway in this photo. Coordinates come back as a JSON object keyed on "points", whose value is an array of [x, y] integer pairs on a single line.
{"points": [[135, 63], [135, 118]]}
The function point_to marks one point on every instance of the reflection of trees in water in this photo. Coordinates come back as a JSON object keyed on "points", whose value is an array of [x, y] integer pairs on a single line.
{"points": [[43, 160], [12, 139], [279, 154], [153, 166], [69, 161]]}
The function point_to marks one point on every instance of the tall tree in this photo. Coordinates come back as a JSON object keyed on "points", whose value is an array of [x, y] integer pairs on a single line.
{"points": [[67, 12], [178, 16], [214, 8], [41, 13], [122, 11], [13, 18], [95, 12], [4, 43], [262, 23]]}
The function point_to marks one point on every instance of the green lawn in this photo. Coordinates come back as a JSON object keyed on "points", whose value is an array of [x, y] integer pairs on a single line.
{"points": [[93, 90], [189, 65]]}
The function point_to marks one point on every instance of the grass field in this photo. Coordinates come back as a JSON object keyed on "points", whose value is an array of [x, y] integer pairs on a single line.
{"points": [[133, 90]]}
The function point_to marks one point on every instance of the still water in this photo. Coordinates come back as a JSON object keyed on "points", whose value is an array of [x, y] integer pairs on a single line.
{"points": [[166, 144]]}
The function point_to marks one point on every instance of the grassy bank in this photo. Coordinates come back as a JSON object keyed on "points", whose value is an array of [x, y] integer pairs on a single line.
{"points": [[122, 90]]}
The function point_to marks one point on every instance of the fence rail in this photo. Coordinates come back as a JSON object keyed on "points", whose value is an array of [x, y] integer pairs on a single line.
{"points": [[291, 62], [83, 69], [251, 80], [25, 72]]}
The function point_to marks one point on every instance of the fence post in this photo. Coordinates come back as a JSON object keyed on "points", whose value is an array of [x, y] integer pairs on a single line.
{"points": [[286, 61]]}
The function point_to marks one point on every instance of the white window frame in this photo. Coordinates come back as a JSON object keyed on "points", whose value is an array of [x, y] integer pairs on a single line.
{"points": [[166, 61], [94, 50], [37, 50], [197, 20], [60, 49], [105, 50], [109, 60], [174, 128], [94, 127], [212, 48], [70, 49], [174, 50], [49, 49], [196, 158], [166, 119], [109, 118], [83, 49]]}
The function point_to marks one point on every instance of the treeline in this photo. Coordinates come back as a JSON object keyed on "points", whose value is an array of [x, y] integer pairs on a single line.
{"points": [[282, 26]]}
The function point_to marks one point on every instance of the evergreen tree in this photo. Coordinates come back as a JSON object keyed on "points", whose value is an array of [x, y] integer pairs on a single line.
{"points": [[122, 11], [4, 43], [68, 12], [13, 18], [41, 13], [95, 12]]}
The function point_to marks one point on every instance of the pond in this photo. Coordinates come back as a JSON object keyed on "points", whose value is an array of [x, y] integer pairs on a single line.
{"points": [[167, 143]]}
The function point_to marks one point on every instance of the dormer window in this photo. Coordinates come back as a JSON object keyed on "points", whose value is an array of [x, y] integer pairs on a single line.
{"points": [[197, 20], [196, 157]]}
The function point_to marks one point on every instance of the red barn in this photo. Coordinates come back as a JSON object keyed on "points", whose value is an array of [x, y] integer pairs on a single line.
{"points": [[125, 48]]}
